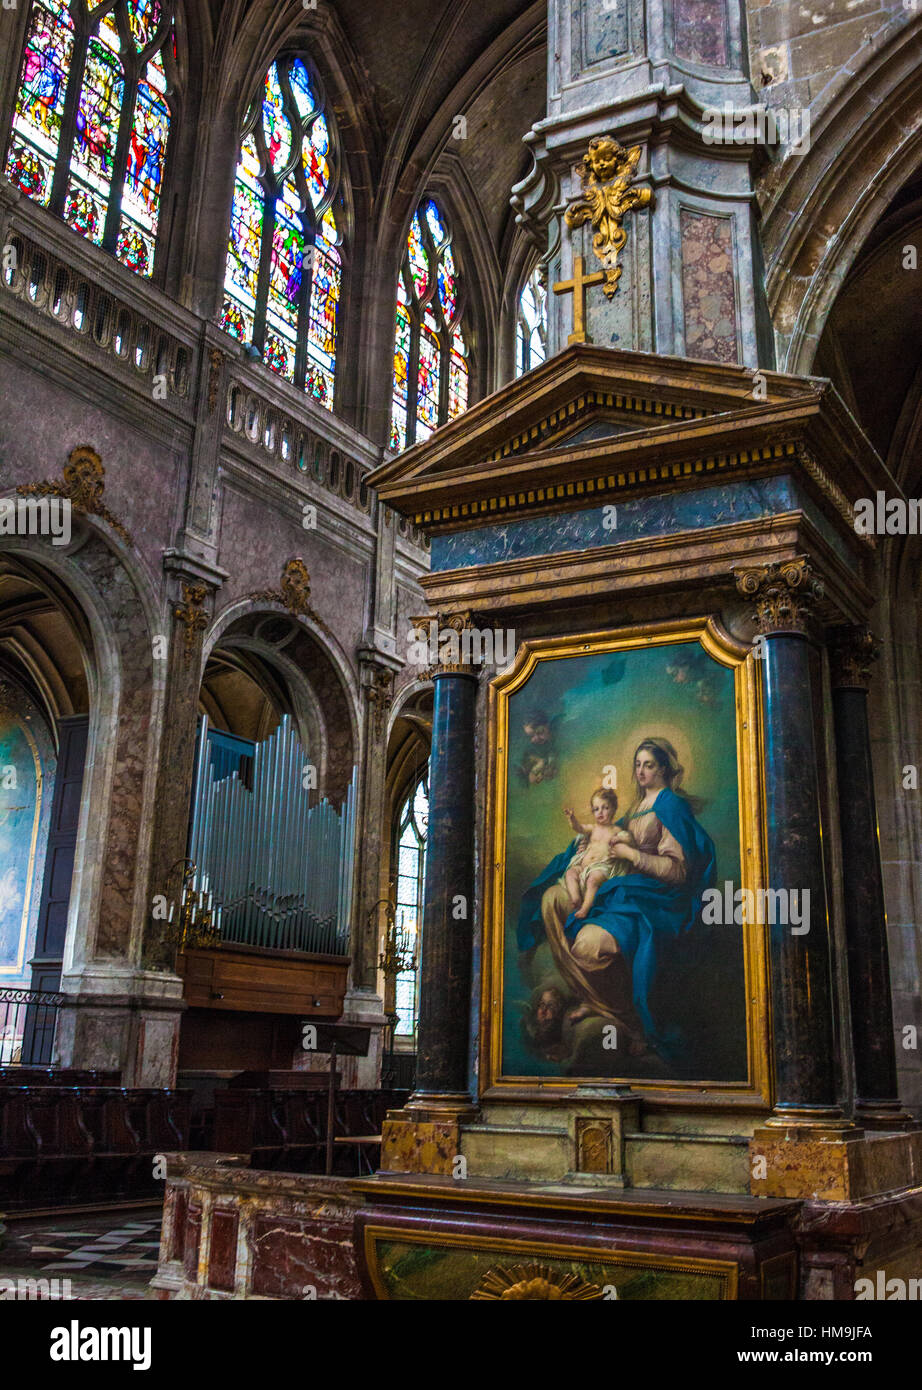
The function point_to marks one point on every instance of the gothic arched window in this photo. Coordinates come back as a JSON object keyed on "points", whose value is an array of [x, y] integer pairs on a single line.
{"points": [[411, 836], [92, 120], [431, 369], [283, 278], [531, 325]]}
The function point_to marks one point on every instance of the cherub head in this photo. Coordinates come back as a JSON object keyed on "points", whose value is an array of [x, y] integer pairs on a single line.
{"points": [[604, 157]]}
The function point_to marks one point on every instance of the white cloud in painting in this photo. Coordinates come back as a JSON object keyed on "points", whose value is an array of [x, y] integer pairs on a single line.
{"points": [[9, 893]]}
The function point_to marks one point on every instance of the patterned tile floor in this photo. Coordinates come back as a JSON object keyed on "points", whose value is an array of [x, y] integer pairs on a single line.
{"points": [[109, 1255]]}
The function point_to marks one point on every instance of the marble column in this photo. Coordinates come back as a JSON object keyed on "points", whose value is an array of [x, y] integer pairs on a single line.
{"points": [[806, 1083], [852, 653], [447, 936]]}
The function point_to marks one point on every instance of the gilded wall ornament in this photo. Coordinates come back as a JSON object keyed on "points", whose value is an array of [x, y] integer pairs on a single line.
{"points": [[785, 592], [294, 592], [852, 653], [607, 172], [190, 613], [82, 483], [533, 1284]]}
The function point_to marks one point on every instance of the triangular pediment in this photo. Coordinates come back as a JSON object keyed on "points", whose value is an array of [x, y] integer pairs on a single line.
{"points": [[582, 396], [593, 420]]}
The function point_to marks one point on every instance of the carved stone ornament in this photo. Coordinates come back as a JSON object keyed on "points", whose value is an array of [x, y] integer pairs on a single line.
{"points": [[607, 172], [191, 614], [785, 592], [380, 696], [294, 592], [533, 1284], [82, 484], [216, 361], [852, 653]]}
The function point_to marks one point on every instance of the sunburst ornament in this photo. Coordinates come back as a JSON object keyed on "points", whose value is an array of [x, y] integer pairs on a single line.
{"points": [[534, 1284]]}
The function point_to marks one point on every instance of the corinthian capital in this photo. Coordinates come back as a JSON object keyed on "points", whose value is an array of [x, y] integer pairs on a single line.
{"points": [[852, 652], [785, 593]]}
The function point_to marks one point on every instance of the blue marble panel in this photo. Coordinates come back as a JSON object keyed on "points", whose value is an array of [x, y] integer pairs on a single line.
{"points": [[662, 515]]}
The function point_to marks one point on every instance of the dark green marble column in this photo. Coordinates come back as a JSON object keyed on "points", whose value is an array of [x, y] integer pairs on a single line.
{"points": [[852, 653], [447, 936], [806, 1082]]}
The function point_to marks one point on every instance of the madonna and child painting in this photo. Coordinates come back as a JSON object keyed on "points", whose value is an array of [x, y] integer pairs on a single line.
{"points": [[622, 808]]}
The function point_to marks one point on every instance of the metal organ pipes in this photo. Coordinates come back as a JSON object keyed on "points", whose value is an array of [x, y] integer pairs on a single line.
{"points": [[280, 869]]}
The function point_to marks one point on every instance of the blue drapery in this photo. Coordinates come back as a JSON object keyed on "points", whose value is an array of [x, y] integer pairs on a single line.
{"points": [[641, 912]]}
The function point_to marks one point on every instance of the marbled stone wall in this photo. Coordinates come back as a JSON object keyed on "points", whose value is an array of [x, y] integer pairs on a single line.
{"points": [[709, 286], [702, 31]]}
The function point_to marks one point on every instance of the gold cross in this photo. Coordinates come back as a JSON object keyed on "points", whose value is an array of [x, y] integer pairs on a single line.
{"points": [[577, 287]]}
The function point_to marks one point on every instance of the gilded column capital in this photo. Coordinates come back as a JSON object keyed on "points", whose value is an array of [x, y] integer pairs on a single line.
{"points": [[853, 651], [449, 644], [785, 593]]}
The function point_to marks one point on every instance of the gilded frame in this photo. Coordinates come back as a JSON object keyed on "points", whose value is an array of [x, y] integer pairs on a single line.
{"points": [[758, 1088], [726, 1271]]}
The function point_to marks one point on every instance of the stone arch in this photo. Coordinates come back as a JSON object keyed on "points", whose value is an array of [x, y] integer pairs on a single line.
{"points": [[821, 207], [91, 582], [325, 695]]}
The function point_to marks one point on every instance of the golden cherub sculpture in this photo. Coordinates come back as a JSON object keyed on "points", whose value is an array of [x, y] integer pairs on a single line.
{"points": [[606, 173]]}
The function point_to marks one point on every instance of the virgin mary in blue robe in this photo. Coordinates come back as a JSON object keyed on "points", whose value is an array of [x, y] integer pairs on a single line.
{"points": [[645, 914]]}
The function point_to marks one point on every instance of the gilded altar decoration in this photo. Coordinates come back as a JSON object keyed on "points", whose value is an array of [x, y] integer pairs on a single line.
{"points": [[82, 483], [533, 1284], [192, 615], [852, 653], [786, 593], [607, 173]]}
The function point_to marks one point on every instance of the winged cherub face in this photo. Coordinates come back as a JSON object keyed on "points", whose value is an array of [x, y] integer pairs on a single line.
{"points": [[603, 157]]}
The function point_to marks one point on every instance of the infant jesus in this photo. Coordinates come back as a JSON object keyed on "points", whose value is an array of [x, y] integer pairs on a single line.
{"points": [[594, 860]]}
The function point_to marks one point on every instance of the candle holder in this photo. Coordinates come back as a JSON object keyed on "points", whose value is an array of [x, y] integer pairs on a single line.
{"points": [[397, 957], [196, 925]]}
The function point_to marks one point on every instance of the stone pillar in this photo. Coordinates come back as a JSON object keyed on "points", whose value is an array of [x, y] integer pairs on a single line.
{"points": [[801, 981], [447, 937], [853, 651], [670, 81]]}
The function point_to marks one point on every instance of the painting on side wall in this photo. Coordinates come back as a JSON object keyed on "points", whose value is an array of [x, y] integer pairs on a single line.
{"points": [[20, 815], [626, 829]]}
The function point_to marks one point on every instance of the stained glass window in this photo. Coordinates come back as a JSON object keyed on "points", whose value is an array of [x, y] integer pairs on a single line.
{"points": [[92, 120], [412, 832], [531, 327], [283, 279], [431, 368]]}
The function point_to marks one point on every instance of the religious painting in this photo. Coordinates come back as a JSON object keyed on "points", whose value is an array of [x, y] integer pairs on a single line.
{"points": [[20, 814], [625, 817]]}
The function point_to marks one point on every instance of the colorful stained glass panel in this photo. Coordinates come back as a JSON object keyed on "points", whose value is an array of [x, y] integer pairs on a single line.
{"points": [[427, 391], [448, 285], [144, 16], [436, 225], [419, 261], [98, 112], [458, 378], [301, 89], [276, 125], [40, 101]]}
